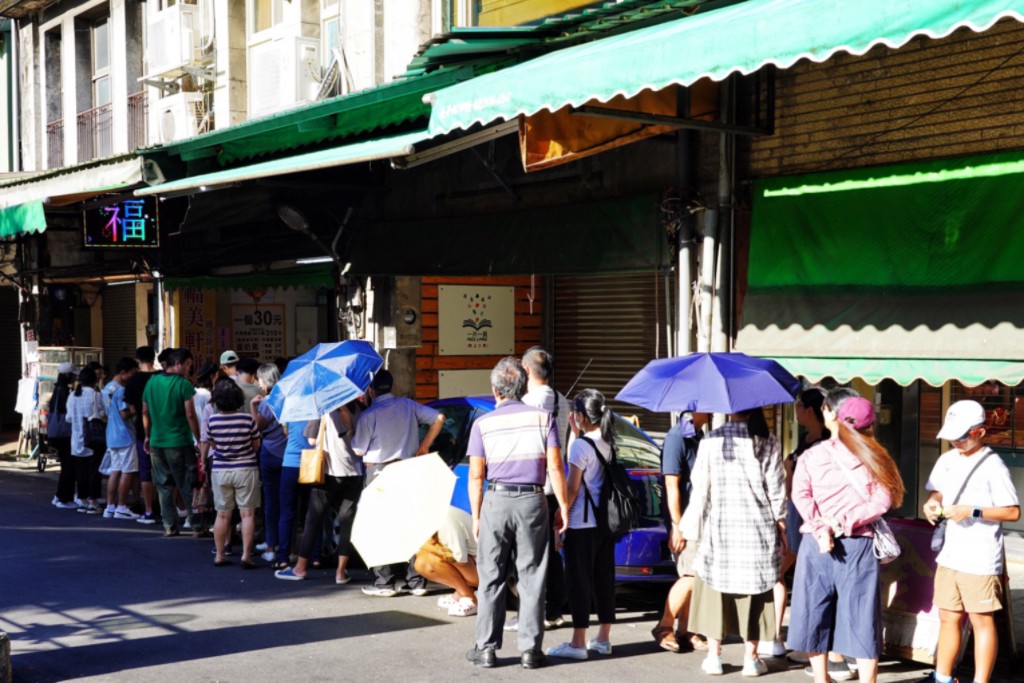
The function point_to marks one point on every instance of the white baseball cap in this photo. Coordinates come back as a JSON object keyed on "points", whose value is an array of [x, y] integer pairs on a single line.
{"points": [[65, 368], [960, 418]]}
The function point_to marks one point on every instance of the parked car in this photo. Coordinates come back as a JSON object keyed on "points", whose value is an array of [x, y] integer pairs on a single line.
{"points": [[642, 555]]}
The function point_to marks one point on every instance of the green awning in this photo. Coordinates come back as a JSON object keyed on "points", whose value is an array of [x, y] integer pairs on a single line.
{"points": [[740, 38], [369, 150], [904, 371], [910, 271], [312, 277], [22, 220]]}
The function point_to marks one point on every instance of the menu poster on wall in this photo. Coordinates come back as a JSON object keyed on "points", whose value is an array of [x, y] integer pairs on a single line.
{"points": [[196, 312], [475, 321], [258, 330]]}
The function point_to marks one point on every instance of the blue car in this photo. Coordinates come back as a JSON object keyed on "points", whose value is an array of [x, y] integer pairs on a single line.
{"points": [[642, 555]]}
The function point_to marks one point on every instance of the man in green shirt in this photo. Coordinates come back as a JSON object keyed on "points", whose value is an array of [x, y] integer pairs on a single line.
{"points": [[172, 430]]}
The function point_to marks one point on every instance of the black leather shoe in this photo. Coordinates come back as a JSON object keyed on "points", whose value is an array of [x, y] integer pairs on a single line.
{"points": [[485, 657], [533, 659]]}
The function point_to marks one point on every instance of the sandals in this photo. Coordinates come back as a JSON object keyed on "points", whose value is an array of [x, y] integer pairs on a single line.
{"points": [[249, 564], [283, 564], [696, 642], [665, 637], [221, 563]]}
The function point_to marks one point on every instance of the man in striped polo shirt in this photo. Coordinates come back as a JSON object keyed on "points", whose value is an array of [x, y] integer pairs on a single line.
{"points": [[511, 448], [234, 473]]}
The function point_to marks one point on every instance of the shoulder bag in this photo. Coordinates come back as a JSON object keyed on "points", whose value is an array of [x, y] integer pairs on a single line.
{"points": [[939, 533], [95, 429], [884, 545], [314, 460]]}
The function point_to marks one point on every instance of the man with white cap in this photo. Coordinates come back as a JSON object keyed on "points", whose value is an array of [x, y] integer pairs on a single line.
{"points": [[971, 488]]}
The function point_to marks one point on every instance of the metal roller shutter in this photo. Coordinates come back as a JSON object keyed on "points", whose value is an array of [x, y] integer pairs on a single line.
{"points": [[10, 358], [617, 324], [118, 324]]}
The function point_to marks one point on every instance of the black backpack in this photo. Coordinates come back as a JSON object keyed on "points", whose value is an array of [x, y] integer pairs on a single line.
{"points": [[618, 511]]}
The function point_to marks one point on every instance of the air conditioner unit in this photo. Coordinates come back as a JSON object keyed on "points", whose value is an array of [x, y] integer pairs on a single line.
{"points": [[176, 117], [283, 72], [173, 40]]}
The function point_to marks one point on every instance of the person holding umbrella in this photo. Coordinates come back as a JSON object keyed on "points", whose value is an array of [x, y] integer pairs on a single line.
{"points": [[737, 512]]}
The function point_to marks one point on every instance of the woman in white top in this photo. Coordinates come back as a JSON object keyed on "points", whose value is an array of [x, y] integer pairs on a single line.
{"points": [[589, 550], [85, 404]]}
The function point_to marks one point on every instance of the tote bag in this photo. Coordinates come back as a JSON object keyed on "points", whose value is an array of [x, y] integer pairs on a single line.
{"points": [[314, 460]]}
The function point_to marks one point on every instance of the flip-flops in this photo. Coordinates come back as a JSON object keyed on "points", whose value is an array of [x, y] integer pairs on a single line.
{"points": [[221, 563], [249, 564], [342, 582]]}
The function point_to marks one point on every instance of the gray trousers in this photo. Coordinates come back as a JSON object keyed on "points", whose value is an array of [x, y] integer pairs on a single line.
{"points": [[512, 520]]}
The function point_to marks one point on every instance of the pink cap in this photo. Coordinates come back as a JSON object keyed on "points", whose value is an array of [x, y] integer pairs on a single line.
{"points": [[857, 412]]}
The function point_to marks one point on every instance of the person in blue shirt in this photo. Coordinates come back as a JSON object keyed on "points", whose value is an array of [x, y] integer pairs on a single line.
{"points": [[124, 460]]}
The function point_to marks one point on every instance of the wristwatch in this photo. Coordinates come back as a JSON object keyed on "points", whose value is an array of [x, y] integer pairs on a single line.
{"points": [[977, 513]]}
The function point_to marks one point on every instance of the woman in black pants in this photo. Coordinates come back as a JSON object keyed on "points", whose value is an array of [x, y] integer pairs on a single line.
{"points": [[58, 437], [589, 551], [343, 484]]}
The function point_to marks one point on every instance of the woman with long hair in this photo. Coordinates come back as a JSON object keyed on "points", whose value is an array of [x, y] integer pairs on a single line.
{"points": [[84, 405], [737, 513], [589, 550], [840, 487], [58, 437]]}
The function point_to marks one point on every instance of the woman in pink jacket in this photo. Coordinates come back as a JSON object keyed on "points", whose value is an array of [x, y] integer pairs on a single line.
{"points": [[840, 487]]}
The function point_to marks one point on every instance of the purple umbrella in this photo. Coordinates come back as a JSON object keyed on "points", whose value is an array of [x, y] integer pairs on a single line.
{"points": [[710, 383]]}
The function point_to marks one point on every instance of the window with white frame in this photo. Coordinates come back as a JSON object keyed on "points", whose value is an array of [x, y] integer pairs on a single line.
{"points": [[100, 34], [330, 29]]}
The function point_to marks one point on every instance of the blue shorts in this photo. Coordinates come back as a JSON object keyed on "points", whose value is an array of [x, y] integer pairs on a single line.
{"points": [[145, 469], [836, 603]]}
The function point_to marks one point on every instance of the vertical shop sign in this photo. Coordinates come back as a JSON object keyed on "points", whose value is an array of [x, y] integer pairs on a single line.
{"points": [[196, 313], [258, 330], [475, 321]]}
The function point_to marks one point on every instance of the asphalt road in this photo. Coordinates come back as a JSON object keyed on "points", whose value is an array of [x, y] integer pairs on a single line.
{"points": [[93, 599]]}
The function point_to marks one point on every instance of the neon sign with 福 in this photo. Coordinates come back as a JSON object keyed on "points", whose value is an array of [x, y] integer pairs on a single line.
{"points": [[129, 223]]}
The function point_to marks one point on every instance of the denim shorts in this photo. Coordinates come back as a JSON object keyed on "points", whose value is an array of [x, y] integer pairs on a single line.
{"points": [[836, 601]]}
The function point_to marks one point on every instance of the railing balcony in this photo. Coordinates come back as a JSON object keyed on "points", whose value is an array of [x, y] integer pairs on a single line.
{"points": [[55, 144], [138, 110], [95, 133]]}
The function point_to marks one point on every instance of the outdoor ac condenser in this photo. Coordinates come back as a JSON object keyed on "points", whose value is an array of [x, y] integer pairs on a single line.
{"points": [[176, 117], [173, 41], [283, 72]]}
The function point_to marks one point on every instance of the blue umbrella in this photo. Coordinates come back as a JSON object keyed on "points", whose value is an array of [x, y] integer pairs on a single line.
{"points": [[710, 383], [325, 377]]}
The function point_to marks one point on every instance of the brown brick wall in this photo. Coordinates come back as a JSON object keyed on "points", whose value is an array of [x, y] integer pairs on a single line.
{"points": [[529, 329], [931, 98]]}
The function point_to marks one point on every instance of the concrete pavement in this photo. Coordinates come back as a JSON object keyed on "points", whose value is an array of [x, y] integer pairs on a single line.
{"points": [[93, 599]]}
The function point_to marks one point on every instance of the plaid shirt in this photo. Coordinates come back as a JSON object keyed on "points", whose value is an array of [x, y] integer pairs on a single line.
{"points": [[739, 484]]}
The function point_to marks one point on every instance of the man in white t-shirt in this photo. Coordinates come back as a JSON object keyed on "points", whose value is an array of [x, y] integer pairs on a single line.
{"points": [[970, 565]]}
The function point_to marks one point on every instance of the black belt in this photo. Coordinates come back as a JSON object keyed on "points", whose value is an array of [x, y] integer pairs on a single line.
{"points": [[515, 488]]}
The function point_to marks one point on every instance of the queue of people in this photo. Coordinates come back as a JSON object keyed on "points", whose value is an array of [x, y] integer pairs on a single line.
{"points": [[739, 514]]}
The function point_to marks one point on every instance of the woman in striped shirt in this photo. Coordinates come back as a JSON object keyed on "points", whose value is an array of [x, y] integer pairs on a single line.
{"points": [[235, 478]]}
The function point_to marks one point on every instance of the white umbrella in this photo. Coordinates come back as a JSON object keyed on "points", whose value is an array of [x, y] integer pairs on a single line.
{"points": [[401, 509]]}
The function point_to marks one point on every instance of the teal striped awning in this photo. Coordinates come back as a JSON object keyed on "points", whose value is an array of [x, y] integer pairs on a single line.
{"points": [[739, 38]]}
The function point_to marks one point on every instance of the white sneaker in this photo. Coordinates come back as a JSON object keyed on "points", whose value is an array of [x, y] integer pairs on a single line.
{"points": [[600, 648], [446, 601], [379, 592], [712, 665], [123, 512], [511, 624], [418, 592], [66, 506], [754, 667], [465, 607], [186, 525], [55, 501], [108, 512], [567, 651], [771, 648], [269, 555], [261, 547]]}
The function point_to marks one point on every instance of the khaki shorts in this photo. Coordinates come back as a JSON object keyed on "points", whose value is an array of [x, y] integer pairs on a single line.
{"points": [[959, 592], [235, 489]]}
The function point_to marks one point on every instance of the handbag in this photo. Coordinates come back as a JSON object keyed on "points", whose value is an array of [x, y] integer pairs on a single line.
{"points": [[884, 544], [95, 433], [939, 533], [314, 460]]}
